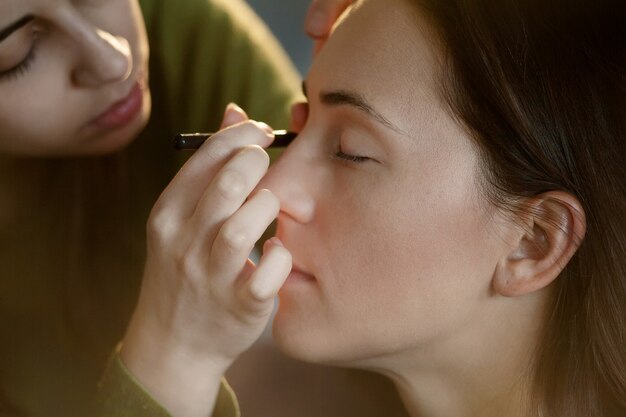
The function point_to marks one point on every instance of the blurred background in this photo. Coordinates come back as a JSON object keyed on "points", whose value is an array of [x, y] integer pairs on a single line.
{"points": [[285, 18]]}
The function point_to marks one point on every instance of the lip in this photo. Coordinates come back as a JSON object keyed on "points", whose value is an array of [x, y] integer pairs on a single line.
{"points": [[297, 275], [121, 112]]}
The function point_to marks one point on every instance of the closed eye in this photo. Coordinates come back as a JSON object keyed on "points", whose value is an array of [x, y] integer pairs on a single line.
{"points": [[342, 156], [26, 29], [21, 68]]}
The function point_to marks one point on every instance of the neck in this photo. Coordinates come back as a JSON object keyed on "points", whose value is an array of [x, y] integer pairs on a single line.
{"points": [[482, 370], [440, 394]]}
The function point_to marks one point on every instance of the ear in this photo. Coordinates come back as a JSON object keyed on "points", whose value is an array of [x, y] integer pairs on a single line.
{"points": [[554, 226]]}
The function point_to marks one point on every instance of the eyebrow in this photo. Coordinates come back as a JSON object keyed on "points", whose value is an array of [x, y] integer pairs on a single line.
{"points": [[342, 97], [6, 32]]}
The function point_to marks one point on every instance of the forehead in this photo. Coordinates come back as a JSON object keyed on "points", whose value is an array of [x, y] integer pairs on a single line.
{"points": [[384, 50]]}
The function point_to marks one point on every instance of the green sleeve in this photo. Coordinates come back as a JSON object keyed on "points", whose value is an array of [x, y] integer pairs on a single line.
{"points": [[211, 52], [121, 395]]}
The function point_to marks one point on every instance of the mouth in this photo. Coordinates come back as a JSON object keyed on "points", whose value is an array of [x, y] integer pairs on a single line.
{"points": [[298, 275], [121, 112]]}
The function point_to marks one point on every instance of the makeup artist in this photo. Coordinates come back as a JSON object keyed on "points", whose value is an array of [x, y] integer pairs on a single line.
{"points": [[86, 115]]}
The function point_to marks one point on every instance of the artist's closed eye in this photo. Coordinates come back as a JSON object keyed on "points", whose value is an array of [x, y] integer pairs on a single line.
{"points": [[18, 52], [21, 68]]}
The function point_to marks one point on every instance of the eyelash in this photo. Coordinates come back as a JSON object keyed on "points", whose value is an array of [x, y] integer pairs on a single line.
{"points": [[21, 68], [341, 155]]}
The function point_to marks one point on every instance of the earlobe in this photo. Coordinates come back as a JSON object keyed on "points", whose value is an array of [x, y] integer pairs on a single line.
{"points": [[554, 226]]}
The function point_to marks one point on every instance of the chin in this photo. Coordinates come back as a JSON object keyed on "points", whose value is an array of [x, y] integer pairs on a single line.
{"points": [[295, 344], [310, 338], [302, 338]]}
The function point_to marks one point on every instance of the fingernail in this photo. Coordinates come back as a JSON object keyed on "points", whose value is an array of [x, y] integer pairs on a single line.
{"points": [[265, 127], [231, 114], [273, 241], [234, 107], [276, 241]]}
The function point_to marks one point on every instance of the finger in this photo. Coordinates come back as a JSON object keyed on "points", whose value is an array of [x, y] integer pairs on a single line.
{"points": [[322, 15], [271, 273], [236, 237], [233, 115], [228, 191], [228, 258], [299, 116], [181, 196]]}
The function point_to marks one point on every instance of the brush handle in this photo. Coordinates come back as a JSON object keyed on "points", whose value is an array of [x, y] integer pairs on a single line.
{"points": [[282, 138]]}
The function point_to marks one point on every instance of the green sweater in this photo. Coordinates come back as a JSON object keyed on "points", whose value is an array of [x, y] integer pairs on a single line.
{"points": [[120, 394], [72, 251]]}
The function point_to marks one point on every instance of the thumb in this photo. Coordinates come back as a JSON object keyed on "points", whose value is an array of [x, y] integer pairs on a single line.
{"points": [[233, 115]]}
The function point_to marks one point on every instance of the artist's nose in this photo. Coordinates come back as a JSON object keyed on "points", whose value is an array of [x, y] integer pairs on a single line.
{"points": [[290, 179], [104, 58]]}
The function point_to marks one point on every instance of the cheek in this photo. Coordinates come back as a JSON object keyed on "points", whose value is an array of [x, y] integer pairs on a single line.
{"points": [[407, 266], [33, 119]]}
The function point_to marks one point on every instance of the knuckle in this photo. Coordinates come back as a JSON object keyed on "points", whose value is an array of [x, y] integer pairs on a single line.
{"points": [[216, 153], [187, 266], [230, 184], [233, 239], [156, 227]]}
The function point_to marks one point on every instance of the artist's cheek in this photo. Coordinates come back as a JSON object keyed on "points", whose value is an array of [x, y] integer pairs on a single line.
{"points": [[53, 118]]}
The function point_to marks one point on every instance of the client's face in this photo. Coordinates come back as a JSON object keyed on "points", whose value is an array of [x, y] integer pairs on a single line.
{"points": [[392, 243], [72, 76]]}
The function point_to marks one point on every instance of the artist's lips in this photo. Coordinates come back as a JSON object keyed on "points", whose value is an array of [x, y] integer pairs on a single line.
{"points": [[121, 112]]}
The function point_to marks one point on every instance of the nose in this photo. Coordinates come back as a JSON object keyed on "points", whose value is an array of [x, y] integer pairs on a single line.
{"points": [[290, 179], [104, 59]]}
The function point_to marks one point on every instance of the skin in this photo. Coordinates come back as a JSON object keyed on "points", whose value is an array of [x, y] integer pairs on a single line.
{"points": [[398, 281], [399, 264], [334, 210], [395, 251], [202, 302], [88, 55]]}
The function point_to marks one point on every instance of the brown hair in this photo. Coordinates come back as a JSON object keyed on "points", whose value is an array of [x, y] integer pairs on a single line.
{"points": [[542, 88]]}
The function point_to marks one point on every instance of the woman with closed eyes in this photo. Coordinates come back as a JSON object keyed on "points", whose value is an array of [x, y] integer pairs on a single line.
{"points": [[450, 216]]}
